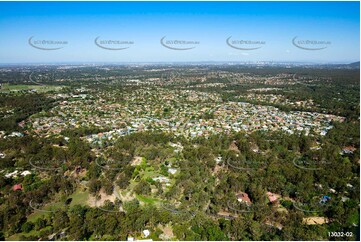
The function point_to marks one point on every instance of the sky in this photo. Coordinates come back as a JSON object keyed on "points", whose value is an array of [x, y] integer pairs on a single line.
{"points": [[61, 32]]}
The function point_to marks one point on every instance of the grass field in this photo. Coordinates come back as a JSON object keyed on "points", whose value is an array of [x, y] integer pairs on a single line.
{"points": [[49, 208], [39, 88], [16, 237], [78, 197], [146, 199]]}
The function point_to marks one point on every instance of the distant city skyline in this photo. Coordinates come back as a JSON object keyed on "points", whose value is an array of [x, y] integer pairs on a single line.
{"points": [[164, 32]]}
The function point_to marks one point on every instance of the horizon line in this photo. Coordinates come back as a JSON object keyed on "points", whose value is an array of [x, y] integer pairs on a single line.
{"points": [[180, 62]]}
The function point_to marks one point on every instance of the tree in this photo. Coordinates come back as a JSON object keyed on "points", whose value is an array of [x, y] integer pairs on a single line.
{"points": [[123, 180], [61, 220], [94, 186], [255, 230], [40, 223], [108, 186], [27, 227], [142, 188], [77, 229]]}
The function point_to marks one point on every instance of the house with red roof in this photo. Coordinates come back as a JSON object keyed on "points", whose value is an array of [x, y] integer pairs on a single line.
{"points": [[348, 150], [17, 187], [243, 197], [272, 197]]}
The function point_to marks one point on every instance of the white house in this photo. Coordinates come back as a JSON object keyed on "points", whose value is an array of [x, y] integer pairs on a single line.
{"points": [[146, 233]]}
